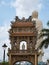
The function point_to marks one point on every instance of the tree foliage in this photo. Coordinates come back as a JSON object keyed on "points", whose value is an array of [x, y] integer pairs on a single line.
{"points": [[45, 35]]}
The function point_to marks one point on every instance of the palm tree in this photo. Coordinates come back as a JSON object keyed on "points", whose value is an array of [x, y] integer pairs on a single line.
{"points": [[45, 35]]}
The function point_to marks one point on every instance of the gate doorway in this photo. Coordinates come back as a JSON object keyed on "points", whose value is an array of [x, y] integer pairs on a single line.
{"points": [[23, 63]]}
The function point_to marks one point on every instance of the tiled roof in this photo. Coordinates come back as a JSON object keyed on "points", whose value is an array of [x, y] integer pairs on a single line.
{"points": [[22, 24]]}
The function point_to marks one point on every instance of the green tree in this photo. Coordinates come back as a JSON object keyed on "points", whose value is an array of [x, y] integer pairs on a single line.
{"points": [[5, 63], [45, 35]]}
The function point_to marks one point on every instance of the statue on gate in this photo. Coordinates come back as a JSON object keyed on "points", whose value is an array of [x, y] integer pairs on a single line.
{"points": [[23, 46]]}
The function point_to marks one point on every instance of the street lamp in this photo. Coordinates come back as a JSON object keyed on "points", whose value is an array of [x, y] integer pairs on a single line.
{"points": [[4, 47]]}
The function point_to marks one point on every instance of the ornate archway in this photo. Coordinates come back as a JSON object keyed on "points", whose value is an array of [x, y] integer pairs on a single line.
{"points": [[21, 30]]}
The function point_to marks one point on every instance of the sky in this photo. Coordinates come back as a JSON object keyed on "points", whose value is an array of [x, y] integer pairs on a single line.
{"points": [[22, 8]]}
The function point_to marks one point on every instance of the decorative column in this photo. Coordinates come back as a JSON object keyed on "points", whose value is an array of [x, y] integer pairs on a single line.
{"points": [[36, 59], [28, 41], [10, 59]]}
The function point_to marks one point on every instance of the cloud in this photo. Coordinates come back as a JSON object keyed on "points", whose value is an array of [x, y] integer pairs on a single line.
{"points": [[45, 57], [46, 54], [3, 3], [4, 36], [26, 7], [4, 31]]}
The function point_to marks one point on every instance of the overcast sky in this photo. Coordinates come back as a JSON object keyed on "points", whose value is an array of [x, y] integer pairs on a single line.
{"points": [[22, 8]]}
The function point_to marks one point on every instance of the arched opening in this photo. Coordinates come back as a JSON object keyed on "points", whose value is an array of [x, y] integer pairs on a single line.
{"points": [[23, 45], [23, 63]]}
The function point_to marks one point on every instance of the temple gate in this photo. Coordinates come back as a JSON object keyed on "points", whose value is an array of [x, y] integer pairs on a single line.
{"points": [[23, 37]]}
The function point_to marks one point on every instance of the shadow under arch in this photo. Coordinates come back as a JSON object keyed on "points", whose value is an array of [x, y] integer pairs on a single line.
{"points": [[23, 63]]}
